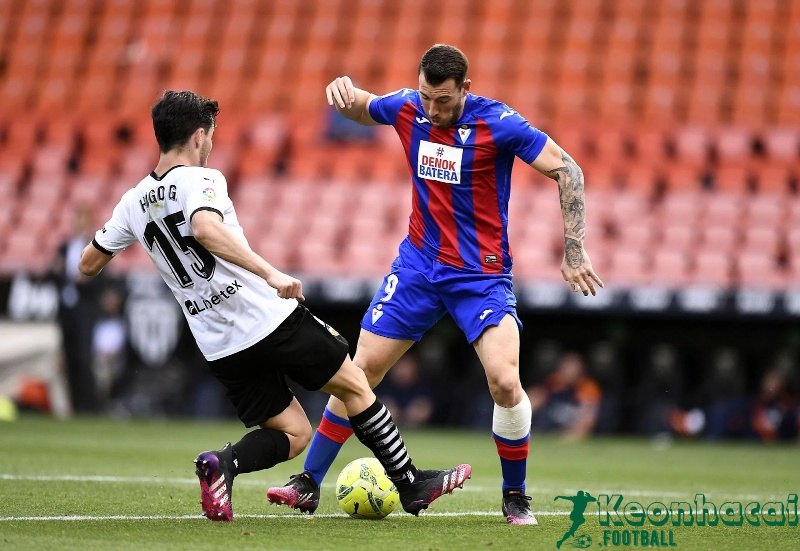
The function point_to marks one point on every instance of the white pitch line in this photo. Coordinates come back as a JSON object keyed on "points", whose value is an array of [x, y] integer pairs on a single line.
{"points": [[267, 517], [533, 489]]}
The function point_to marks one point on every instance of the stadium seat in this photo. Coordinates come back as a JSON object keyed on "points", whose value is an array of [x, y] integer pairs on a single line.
{"points": [[732, 178], [725, 208], [629, 268], [712, 267], [733, 144], [718, 237], [668, 66], [670, 267], [756, 269], [765, 240], [782, 143]]}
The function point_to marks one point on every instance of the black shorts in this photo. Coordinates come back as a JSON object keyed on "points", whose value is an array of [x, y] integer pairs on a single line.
{"points": [[303, 348]]}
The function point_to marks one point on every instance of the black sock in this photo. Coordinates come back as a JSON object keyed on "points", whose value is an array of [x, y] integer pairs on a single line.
{"points": [[260, 449], [375, 428]]}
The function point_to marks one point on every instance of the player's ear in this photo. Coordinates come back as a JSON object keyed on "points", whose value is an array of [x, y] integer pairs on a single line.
{"points": [[466, 85], [198, 137]]}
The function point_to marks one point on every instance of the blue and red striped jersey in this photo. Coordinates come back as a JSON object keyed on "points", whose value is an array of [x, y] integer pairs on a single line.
{"points": [[461, 176]]}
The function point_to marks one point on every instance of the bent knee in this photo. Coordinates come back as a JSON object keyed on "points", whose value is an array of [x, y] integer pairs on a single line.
{"points": [[299, 439], [506, 390]]}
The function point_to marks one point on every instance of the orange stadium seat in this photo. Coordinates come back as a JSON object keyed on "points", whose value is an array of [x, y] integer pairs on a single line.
{"points": [[719, 75], [678, 237], [683, 207], [712, 267], [734, 143], [629, 268], [680, 177], [788, 111], [773, 178], [782, 143], [760, 238], [670, 267], [757, 269], [733, 178], [766, 209], [718, 237], [725, 208]]}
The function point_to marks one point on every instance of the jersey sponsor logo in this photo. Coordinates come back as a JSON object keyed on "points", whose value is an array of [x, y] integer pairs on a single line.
{"points": [[209, 194], [490, 258], [423, 120], [377, 312], [505, 114], [194, 307], [484, 314], [439, 162]]}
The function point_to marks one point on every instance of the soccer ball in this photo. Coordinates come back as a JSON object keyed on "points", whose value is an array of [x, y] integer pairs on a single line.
{"points": [[364, 491]]}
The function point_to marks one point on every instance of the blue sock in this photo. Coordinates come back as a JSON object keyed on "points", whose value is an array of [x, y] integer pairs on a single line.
{"points": [[332, 433], [513, 461]]}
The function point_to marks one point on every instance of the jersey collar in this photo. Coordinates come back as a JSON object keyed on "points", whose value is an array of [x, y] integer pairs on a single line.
{"points": [[155, 176]]}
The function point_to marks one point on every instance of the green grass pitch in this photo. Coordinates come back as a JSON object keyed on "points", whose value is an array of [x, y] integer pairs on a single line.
{"points": [[97, 484]]}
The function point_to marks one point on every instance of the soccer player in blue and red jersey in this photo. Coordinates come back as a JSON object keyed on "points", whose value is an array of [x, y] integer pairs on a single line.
{"points": [[456, 260]]}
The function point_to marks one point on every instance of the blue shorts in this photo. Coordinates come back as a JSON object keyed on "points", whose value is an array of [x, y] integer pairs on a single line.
{"points": [[419, 291]]}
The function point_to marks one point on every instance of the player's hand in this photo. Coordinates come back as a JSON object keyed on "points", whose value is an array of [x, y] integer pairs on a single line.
{"points": [[287, 286], [341, 91], [581, 278]]}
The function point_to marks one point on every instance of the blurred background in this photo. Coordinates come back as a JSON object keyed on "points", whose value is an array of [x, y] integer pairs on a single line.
{"points": [[684, 115]]}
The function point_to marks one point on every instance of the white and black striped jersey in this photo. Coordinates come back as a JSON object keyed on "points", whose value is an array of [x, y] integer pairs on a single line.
{"points": [[228, 308]]}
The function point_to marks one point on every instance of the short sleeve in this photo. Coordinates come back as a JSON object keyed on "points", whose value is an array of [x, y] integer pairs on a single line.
{"points": [[115, 235], [516, 134], [209, 194], [384, 109]]}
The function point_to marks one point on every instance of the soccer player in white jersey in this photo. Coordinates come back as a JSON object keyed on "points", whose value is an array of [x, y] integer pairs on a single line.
{"points": [[245, 316]]}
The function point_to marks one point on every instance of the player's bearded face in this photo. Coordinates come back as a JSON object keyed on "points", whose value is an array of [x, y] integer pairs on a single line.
{"points": [[443, 104]]}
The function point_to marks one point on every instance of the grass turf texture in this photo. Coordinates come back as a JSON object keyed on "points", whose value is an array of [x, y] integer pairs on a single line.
{"points": [[98, 468]]}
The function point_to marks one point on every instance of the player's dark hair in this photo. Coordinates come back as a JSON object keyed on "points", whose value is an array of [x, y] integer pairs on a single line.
{"points": [[442, 62], [177, 115]]}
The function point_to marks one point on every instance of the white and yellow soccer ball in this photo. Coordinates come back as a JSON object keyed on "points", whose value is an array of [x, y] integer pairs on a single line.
{"points": [[364, 491]]}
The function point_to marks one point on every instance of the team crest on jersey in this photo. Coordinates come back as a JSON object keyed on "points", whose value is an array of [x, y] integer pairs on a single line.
{"points": [[209, 194], [439, 162], [464, 133]]}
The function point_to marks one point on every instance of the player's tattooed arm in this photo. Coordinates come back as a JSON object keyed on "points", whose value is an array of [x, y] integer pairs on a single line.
{"points": [[570, 191], [576, 268]]}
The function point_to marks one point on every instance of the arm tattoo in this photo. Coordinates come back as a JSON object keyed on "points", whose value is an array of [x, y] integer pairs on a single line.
{"points": [[573, 252], [570, 192]]}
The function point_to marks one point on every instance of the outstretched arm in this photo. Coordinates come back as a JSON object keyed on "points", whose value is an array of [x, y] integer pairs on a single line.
{"points": [[350, 101], [576, 268]]}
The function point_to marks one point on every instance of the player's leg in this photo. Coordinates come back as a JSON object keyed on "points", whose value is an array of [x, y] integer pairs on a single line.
{"points": [[374, 427], [485, 310], [261, 398], [498, 350], [404, 307], [374, 355], [322, 362]]}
